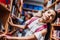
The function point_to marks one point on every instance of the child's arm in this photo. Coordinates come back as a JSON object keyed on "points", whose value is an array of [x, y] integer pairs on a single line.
{"points": [[34, 36]]}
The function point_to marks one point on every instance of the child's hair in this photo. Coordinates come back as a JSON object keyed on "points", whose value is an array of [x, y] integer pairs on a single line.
{"points": [[55, 17], [31, 15]]}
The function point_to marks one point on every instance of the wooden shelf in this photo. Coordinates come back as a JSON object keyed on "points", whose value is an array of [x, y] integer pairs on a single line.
{"points": [[4, 16], [4, 9], [55, 38], [54, 27], [55, 24]]}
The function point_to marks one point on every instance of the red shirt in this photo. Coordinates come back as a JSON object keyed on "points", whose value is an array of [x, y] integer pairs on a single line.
{"points": [[5, 2]]}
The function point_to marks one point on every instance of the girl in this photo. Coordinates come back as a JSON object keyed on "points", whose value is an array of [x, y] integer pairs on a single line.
{"points": [[37, 29]]}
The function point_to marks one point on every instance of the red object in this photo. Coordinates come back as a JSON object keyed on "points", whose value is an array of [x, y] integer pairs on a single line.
{"points": [[4, 1]]}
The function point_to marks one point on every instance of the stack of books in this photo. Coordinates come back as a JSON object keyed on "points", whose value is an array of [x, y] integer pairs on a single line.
{"points": [[56, 34]]}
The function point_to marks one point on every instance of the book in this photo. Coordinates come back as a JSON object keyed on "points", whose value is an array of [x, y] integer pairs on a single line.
{"points": [[56, 34]]}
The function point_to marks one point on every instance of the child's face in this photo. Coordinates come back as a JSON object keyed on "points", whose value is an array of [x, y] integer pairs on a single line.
{"points": [[49, 15]]}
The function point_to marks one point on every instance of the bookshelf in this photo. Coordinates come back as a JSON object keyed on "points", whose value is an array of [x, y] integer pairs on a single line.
{"points": [[4, 16], [55, 32]]}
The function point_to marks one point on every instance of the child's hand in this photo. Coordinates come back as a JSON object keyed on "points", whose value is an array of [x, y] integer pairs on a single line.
{"points": [[10, 23], [58, 10], [8, 37], [2, 35]]}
